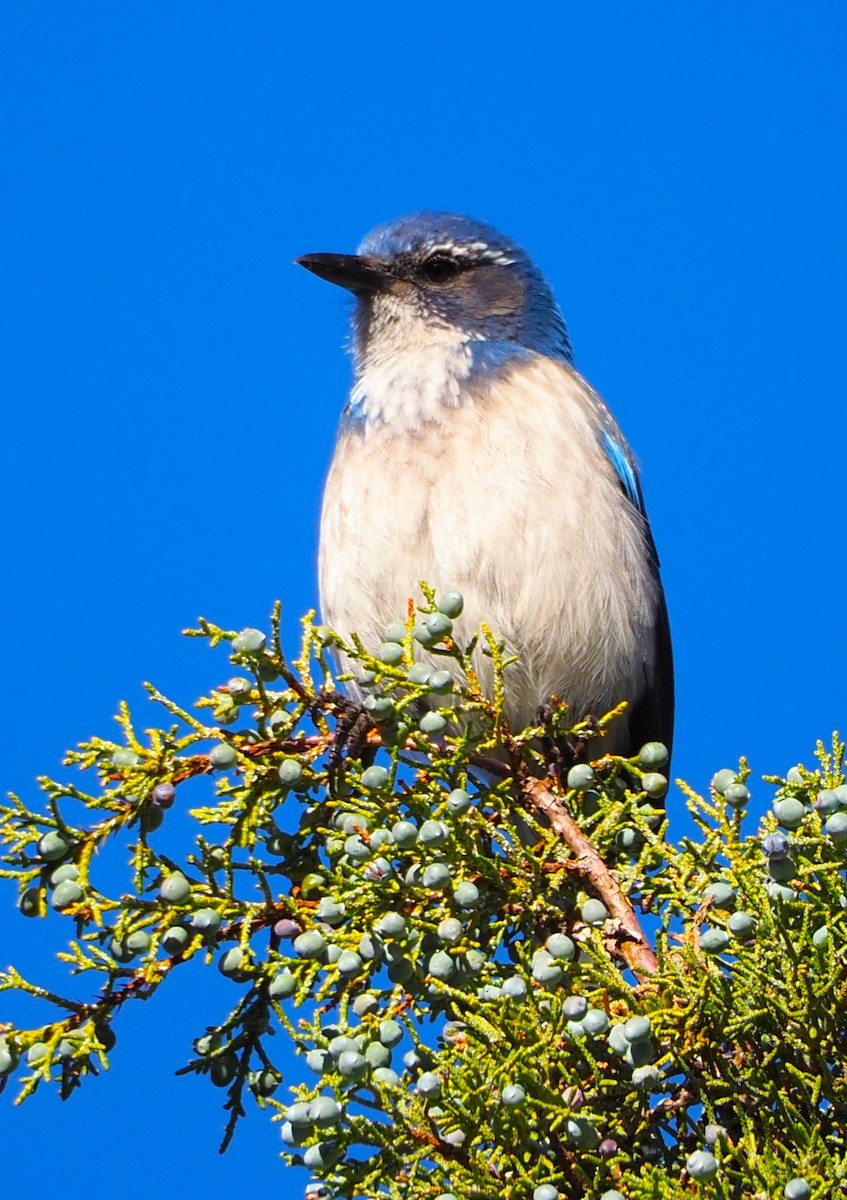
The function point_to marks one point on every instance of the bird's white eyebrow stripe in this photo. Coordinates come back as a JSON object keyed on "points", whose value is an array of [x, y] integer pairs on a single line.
{"points": [[479, 250]]}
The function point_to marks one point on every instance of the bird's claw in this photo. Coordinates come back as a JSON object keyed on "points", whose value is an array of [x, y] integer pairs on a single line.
{"points": [[351, 737], [561, 753]]}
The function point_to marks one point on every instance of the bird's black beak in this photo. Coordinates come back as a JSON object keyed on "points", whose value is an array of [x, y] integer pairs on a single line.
{"points": [[359, 273]]}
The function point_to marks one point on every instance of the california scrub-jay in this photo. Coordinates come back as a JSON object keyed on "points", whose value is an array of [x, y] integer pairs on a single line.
{"points": [[472, 455]]}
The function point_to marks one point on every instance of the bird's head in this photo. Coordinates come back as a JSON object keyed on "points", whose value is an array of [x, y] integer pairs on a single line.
{"points": [[440, 278]]}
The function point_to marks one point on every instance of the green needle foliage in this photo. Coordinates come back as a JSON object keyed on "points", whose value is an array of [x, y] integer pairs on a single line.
{"points": [[500, 979]]}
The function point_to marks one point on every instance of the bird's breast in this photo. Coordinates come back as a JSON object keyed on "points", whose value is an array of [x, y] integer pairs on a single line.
{"points": [[508, 496]]}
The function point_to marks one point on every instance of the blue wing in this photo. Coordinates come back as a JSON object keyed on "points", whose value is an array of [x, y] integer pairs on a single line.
{"points": [[620, 458], [652, 715]]}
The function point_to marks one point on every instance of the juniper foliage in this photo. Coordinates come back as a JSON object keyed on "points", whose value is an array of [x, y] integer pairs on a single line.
{"points": [[501, 979]]}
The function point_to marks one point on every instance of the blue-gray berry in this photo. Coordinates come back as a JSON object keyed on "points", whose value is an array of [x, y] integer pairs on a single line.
{"points": [[781, 869], [826, 802], [282, 985], [582, 1132], [324, 1111], [390, 653], [395, 632], [352, 1064], [595, 1022], [617, 1040], [451, 603], [36, 1054], [249, 641], [515, 988], [433, 833], [654, 784], [575, 1008], [310, 944], [322, 1155], [233, 964], [723, 779], [580, 777], [423, 634], [441, 682], [290, 772], [377, 1055], [646, 1078], [349, 964], [63, 872], [164, 795], [364, 1003], [722, 895], [420, 673], [702, 1165], [439, 625], [356, 848], [8, 1057], [449, 930], [206, 920], [175, 940], [222, 756], [545, 969], [175, 888], [458, 801], [432, 723], [777, 844], [380, 708], [797, 1189], [436, 876], [779, 892], [429, 1085], [390, 1032], [329, 910], [466, 894], [30, 902], [836, 827], [405, 834], [561, 946], [374, 778], [66, 893], [741, 924], [736, 795], [653, 754], [391, 925], [713, 941], [441, 965], [53, 845], [637, 1028], [594, 912], [789, 812]]}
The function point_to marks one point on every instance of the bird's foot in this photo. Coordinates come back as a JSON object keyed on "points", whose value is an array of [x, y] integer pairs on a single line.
{"points": [[351, 738], [576, 749], [550, 745], [561, 753]]}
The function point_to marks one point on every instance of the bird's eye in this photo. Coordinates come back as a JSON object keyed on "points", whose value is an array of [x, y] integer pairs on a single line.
{"points": [[439, 268]]}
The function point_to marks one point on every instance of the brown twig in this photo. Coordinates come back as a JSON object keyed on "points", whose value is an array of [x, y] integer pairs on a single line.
{"points": [[634, 945]]}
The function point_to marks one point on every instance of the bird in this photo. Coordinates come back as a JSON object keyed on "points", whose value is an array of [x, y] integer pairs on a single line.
{"points": [[472, 455]]}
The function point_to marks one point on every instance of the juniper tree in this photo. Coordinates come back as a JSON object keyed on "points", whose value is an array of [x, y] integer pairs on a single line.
{"points": [[501, 979]]}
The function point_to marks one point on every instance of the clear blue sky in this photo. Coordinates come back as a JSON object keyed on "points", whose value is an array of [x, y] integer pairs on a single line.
{"points": [[172, 383]]}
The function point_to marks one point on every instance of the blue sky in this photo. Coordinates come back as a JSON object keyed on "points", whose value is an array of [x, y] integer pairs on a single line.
{"points": [[172, 382]]}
